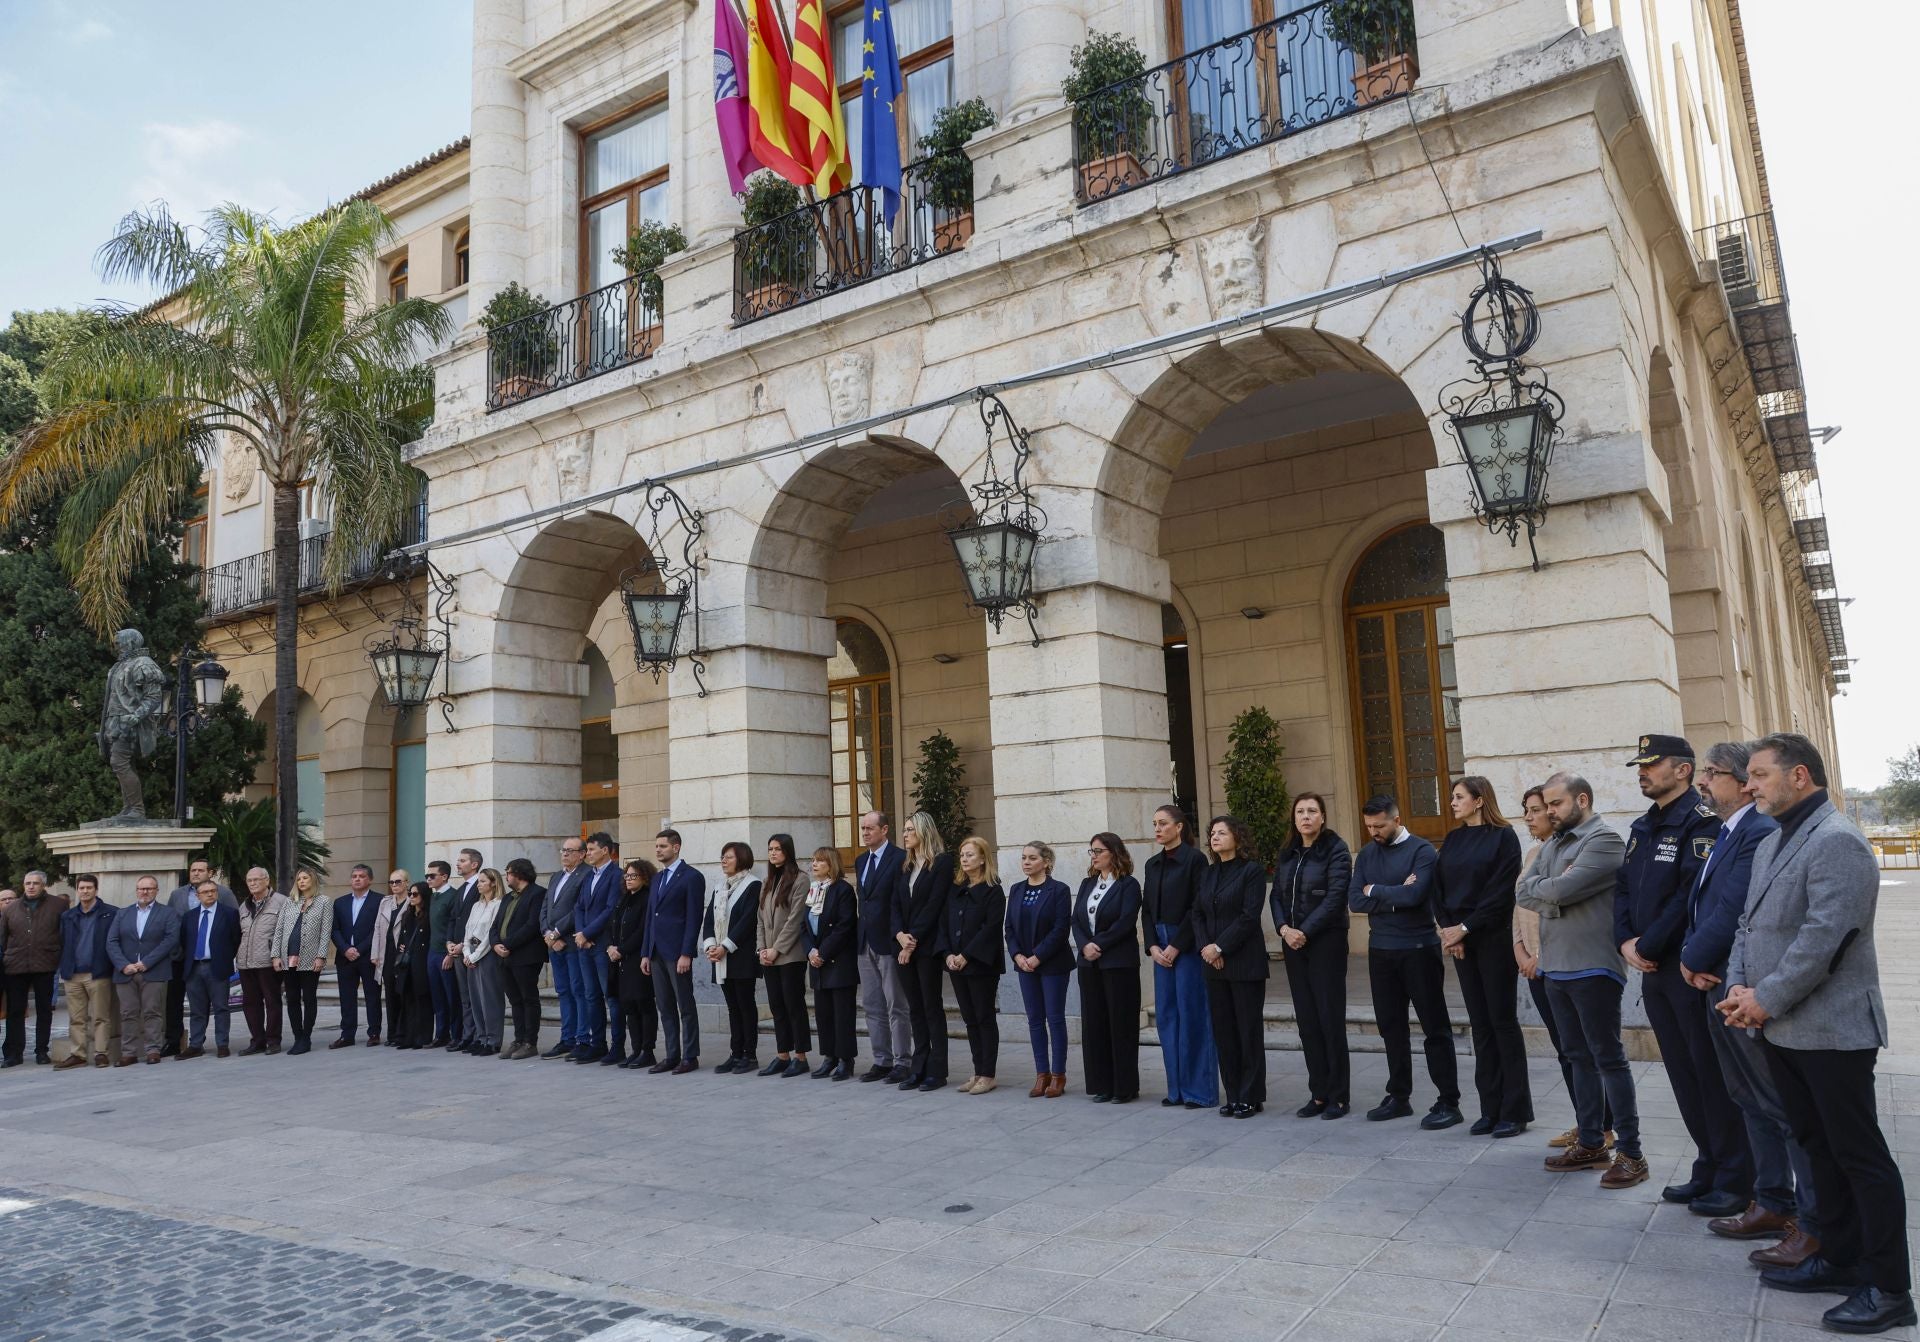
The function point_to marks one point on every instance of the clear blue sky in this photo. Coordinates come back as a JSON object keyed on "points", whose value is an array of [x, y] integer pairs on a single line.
{"points": [[284, 106]]}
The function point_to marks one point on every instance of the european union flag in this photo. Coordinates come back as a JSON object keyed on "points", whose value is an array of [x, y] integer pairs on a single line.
{"points": [[882, 91]]}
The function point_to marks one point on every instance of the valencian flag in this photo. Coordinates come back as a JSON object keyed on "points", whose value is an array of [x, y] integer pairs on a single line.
{"points": [[776, 132], [817, 101], [881, 86], [729, 98]]}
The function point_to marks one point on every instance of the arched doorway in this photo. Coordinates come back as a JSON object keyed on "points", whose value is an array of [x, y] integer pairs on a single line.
{"points": [[1405, 693], [860, 727], [599, 752], [1183, 776]]}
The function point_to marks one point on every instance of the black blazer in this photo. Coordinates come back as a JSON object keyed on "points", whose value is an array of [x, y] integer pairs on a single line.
{"points": [[1166, 895], [407, 961], [628, 928], [742, 929], [521, 935], [975, 919], [837, 940], [1043, 931], [920, 906], [1310, 887], [1226, 913], [1118, 932], [346, 932], [876, 897]]}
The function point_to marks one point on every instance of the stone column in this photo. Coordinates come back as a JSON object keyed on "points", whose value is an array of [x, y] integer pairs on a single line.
{"points": [[498, 175], [1040, 33]]}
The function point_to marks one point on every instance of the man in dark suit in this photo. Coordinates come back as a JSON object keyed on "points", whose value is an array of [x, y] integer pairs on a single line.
{"points": [[209, 938], [675, 906], [465, 1027], [1804, 973], [183, 900], [592, 914], [889, 1020], [1783, 1201], [354, 915], [564, 888], [141, 944]]}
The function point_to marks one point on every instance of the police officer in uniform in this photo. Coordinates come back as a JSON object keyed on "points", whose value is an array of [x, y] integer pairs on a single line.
{"points": [[1665, 851]]}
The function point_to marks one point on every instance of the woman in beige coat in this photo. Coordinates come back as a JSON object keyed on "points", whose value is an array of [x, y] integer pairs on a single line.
{"points": [[783, 964], [301, 943]]}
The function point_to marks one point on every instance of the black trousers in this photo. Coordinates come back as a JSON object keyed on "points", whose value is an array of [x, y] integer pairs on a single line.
{"points": [[833, 1014], [19, 986], [1110, 1029], [1537, 989], [787, 1000], [1237, 1010], [979, 998], [679, 1018], [175, 1027], [743, 1017], [260, 1001], [1828, 1096], [1679, 1017], [1317, 978], [303, 1002], [920, 979], [522, 983], [1489, 983], [410, 1015], [356, 980], [1414, 977], [396, 996], [642, 1015]]}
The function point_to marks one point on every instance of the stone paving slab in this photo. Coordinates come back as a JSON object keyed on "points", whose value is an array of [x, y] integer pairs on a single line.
{"points": [[854, 1211]]}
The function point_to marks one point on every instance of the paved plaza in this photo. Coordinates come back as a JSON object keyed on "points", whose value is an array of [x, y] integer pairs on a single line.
{"points": [[368, 1194]]}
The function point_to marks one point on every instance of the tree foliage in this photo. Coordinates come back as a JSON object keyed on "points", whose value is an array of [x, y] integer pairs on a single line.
{"points": [[1900, 798], [940, 788], [243, 838], [1256, 788]]}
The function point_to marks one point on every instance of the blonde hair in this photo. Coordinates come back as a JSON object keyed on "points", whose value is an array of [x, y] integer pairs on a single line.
{"points": [[926, 835], [987, 874], [831, 856], [495, 882], [1045, 854]]}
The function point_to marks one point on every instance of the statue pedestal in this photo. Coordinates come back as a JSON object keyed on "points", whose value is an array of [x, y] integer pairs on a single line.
{"points": [[121, 854]]}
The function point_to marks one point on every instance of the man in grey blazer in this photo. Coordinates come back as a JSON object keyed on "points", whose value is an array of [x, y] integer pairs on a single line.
{"points": [[141, 943], [1804, 974]]}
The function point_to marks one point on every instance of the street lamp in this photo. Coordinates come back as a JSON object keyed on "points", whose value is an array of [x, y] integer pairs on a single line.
{"points": [[197, 689], [996, 541], [411, 656], [1505, 418], [405, 665], [657, 594]]}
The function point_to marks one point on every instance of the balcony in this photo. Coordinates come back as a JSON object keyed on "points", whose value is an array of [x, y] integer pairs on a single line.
{"points": [[615, 325], [242, 585], [1746, 252], [842, 242], [1784, 415], [1242, 92]]}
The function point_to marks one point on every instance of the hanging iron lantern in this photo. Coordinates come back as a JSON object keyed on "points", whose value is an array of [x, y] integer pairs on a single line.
{"points": [[412, 655], [658, 595], [996, 543]]}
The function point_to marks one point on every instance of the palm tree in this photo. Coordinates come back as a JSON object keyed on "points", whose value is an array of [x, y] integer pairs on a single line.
{"points": [[276, 339]]}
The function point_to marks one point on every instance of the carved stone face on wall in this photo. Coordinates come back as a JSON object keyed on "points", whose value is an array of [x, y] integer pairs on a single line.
{"points": [[850, 386], [573, 460], [1235, 270]]}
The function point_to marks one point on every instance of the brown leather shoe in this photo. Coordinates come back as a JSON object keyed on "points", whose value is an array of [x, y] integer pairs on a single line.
{"points": [[152, 1058], [1792, 1251], [126, 1060], [1040, 1084], [1578, 1157], [1572, 1135], [71, 1061], [1625, 1172], [1056, 1086], [99, 1060], [187, 1053], [223, 1052], [1756, 1222]]}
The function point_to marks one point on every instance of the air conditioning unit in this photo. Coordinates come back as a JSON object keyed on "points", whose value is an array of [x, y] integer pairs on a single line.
{"points": [[311, 527], [1737, 274]]}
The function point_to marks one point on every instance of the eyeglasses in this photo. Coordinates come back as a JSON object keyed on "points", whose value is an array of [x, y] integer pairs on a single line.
{"points": [[1095, 852], [1708, 774]]}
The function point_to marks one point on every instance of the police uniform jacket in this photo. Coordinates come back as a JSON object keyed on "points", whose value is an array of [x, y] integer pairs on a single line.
{"points": [[1665, 850]]}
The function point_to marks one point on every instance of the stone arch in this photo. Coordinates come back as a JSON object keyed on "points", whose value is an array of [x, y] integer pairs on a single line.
{"points": [[560, 579]]}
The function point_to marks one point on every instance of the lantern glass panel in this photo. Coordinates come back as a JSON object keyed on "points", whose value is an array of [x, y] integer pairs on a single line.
{"points": [[997, 561], [655, 621], [416, 668], [1501, 449], [209, 682]]}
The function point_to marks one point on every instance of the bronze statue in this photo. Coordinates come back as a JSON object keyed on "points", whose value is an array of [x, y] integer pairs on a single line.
{"points": [[131, 714]]}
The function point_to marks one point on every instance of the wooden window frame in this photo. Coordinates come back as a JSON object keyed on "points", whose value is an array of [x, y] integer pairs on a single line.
{"points": [[397, 280], [462, 258], [198, 524], [931, 54], [632, 189]]}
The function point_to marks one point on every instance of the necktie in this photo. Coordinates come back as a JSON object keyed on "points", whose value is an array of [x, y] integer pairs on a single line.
{"points": [[206, 930], [1718, 840]]}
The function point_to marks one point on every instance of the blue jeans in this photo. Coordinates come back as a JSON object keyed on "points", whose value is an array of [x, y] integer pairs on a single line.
{"points": [[566, 971], [446, 998], [1181, 1018], [1046, 998], [602, 1005]]}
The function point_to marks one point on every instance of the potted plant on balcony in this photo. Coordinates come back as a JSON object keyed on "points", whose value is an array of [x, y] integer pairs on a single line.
{"points": [[950, 172], [652, 243], [521, 350], [1111, 112], [1380, 35], [774, 252]]}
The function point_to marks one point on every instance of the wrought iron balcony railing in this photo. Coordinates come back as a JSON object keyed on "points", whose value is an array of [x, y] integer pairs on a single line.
{"points": [[615, 325], [247, 584], [1746, 254], [1242, 92], [845, 240]]}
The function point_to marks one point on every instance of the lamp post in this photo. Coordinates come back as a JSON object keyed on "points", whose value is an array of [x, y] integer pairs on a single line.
{"points": [[996, 542], [1505, 418], [659, 594], [197, 689], [408, 660]]}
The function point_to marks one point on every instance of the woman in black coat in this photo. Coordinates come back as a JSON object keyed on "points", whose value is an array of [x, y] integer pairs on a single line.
{"points": [[1309, 903], [974, 943], [1039, 919], [407, 971], [729, 939], [1180, 1017], [829, 935], [919, 912], [1106, 932], [629, 930], [1473, 885], [522, 950], [1226, 928]]}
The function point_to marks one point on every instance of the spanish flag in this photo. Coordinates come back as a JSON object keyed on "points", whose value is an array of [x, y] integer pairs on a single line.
{"points": [[817, 100], [779, 134]]}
